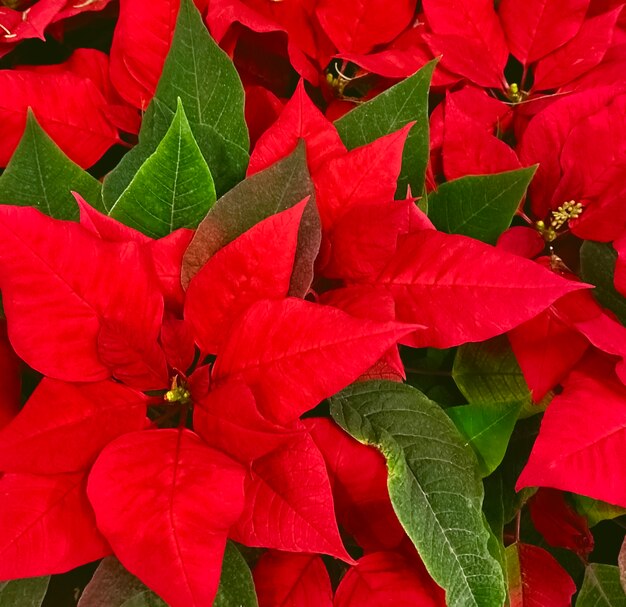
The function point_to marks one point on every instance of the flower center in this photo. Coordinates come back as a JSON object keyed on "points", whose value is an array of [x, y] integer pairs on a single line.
{"points": [[178, 393], [560, 218]]}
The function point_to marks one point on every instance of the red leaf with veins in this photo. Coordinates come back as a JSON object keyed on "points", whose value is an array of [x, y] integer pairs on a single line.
{"points": [[257, 265], [165, 502], [560, 525], [464, 290], [357, 26], [141, 40], [471, 149], [300, 119], [573, 454], [70, 109], [388, 578], [81, 282], [579, 55], [367, 174], [358, 477], [46, 525], [275, 346], [289, 505], [471, 26], [535, 28], [228, 419], [292, 580], [62, 427], [536, 579]]}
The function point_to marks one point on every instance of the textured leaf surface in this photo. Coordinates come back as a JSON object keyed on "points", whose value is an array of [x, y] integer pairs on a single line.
{"points": [[236, 584], [389, 111], [172, 189], [257, 265], [574, 455], [479, 206], [434, 485], [63, 427], [464, 290], [165, 502], [275, 345], [197, 71], [40, 175], [25, 593], [271, 191], [601, 587], [80, 280], [46, 525], [289, 504], [536, 579]]}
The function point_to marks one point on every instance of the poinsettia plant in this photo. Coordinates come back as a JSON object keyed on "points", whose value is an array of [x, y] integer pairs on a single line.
{"points": [[312, 303]]}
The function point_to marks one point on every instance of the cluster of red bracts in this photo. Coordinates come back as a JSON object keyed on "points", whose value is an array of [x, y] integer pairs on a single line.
{"points": [[91, 452]]}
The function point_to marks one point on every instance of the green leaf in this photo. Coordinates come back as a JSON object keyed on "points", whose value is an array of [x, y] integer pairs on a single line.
{"points": [[236, 585], [29, 592], [601, 587], [405, 102], [597, 267], [488, 373], [502, 502], [40, 175], [487, 428], [173, 188], [480, 206], [434, 485], [595, 511], [205, 79], [277, 188]]}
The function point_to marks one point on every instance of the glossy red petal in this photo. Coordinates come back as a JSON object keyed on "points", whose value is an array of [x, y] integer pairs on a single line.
{"points": [[142, 38], [292, 580], [80, 281], [357, 26], [178, 343], [579, 55], [575, 455], [165, 501], [63, 427], [463, 290], [257, 265], [289, 504], [358, 477], [70, 109], [46, 525], [228, 419], [537, 27], [367, 174], [383, 578], [276, 344], [300, 119]]}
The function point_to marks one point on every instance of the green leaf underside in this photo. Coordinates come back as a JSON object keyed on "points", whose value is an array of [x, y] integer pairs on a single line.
{"points": [[434, 485], [601, 587], [479, 206], [266, 193], [597, 267], [205, 79], [389, 111], [487, 429], [488, 373], [24, 593], [236, 584], [40, 175], [172, 189]]}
